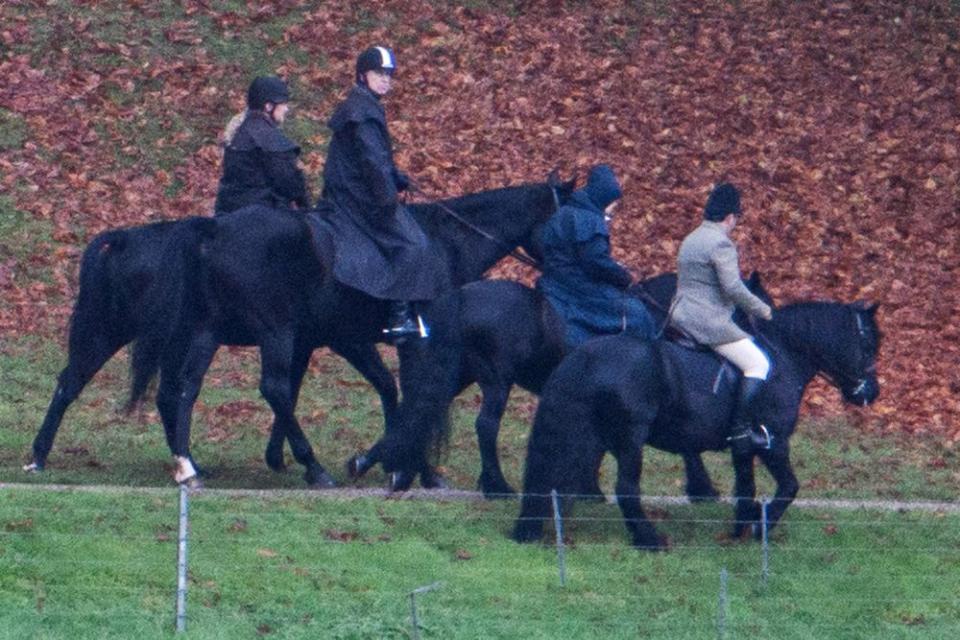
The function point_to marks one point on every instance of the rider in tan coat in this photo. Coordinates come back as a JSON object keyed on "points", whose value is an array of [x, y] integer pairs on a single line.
{"points": [[709, 290]]}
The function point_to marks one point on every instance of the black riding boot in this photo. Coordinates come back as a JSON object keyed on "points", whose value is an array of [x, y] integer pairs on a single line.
{"points": [[744, 438], [402, 323]]}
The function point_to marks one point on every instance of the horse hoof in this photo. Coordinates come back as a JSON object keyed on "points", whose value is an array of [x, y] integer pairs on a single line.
{"points": [[497, 491], [401, 480], [659, 544], [433, 480], [527, 532], [275, 462], [193, 484], [320, 480], [357, 466], [33, 467], [698, 497]]}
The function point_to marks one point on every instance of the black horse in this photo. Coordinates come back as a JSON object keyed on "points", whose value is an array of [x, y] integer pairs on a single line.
{"points": [[618, 394], [496, 334], [264, 277], [117, 268]]}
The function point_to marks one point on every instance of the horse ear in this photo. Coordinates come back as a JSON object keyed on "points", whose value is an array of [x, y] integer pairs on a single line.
{"points": [[754, 280], [553, 178]]}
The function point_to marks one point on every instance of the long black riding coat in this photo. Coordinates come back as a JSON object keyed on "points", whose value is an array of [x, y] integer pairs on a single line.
{"points": [[380, 248], [260, 167]]}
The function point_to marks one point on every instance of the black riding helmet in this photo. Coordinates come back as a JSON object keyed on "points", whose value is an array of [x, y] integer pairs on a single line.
{"points": [[375, 59], [267, 89]]}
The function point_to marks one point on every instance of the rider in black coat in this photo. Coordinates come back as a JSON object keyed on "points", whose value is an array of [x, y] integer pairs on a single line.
{"points": [[259, 162], [381, 250]]}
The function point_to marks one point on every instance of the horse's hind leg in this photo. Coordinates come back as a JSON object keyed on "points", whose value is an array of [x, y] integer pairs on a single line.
{"points": [[777, 461], [277, 355], [177, 393], [181, 378], [699, 486], [629, 467], [491, 480], [86, 357], [274, 451]]}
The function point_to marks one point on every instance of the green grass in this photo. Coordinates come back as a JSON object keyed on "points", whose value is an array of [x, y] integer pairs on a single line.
{"points": [[95, 565]]}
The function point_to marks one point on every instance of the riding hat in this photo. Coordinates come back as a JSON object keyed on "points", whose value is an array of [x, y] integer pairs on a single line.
{"points": [[266, 89], [375, 59], [723, 200]]}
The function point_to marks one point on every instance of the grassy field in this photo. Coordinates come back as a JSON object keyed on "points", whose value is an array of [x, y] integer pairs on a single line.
{"points": [[103, 565], [85, 564]]}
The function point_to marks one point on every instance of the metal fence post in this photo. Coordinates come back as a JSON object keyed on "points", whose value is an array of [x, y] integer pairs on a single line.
{"points": [[182, 561], [558, 526], [414, 619], [765, 543], [722, 606]]}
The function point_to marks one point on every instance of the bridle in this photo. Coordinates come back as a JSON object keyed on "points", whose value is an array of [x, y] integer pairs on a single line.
{"points": [[854, 385], [511, 251]]}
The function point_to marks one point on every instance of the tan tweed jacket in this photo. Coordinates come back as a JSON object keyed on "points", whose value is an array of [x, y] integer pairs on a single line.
{"points": [[709, 288]]}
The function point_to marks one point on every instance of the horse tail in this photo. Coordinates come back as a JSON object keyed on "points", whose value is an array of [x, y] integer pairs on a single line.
{"points": [[429, 378], [172, 303], [96, 307]]}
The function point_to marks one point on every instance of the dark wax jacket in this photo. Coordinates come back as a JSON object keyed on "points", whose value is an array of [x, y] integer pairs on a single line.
{"points": [[260, 167], [380, 248], [360, 175], [582, 281]]}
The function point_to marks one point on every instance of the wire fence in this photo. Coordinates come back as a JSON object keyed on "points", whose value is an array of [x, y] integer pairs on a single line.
{"points": [[152, 562]]}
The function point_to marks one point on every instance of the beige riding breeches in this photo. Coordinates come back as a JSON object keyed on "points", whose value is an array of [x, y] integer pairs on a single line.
{"points": [[747, 356]]}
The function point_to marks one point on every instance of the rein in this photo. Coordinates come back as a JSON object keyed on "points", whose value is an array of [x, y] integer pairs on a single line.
{"points": [[515, 253]]}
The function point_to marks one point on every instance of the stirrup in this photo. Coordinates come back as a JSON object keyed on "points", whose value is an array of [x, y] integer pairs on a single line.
{"points": [[760, 438]]}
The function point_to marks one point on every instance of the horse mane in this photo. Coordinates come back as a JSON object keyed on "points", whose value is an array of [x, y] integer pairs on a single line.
{"points": [[800, 326]]}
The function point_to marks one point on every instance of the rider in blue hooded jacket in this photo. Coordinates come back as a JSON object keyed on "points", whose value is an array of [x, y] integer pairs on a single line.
{"points": [[580, 278]]}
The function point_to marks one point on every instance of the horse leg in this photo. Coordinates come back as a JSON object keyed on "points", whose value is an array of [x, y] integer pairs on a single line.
{"points": [[184, 388], [777, 461], [181, 378], [491, 480], [699, 486], [365, 358], [277, 356], [85, 359], [747, 509], [629, 466], [274, 451]]}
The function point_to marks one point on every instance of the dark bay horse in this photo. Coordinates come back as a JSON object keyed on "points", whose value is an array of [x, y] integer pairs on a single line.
{"points": [[264, 277], [497, 334], [619, 394]]}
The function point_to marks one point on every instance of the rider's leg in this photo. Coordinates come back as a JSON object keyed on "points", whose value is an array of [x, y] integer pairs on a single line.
{"points": [[744, 437]]}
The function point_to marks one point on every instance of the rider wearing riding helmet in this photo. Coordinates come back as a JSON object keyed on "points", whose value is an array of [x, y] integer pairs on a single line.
{"points": [[259, 161], [709, 290], [585, 285], [385, 252]]}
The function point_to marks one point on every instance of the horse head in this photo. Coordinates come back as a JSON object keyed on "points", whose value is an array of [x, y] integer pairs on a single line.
{"points": [[560, 192], [857, 375]]}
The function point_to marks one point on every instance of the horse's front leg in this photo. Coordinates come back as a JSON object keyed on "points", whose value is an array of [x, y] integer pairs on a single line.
{"points": [[777, 461], [277, 357], [298, 368], [746, 510]]}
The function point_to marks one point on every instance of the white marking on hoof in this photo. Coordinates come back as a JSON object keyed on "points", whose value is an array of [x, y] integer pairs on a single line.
{"points": [[184, 470], [33, 467]]}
